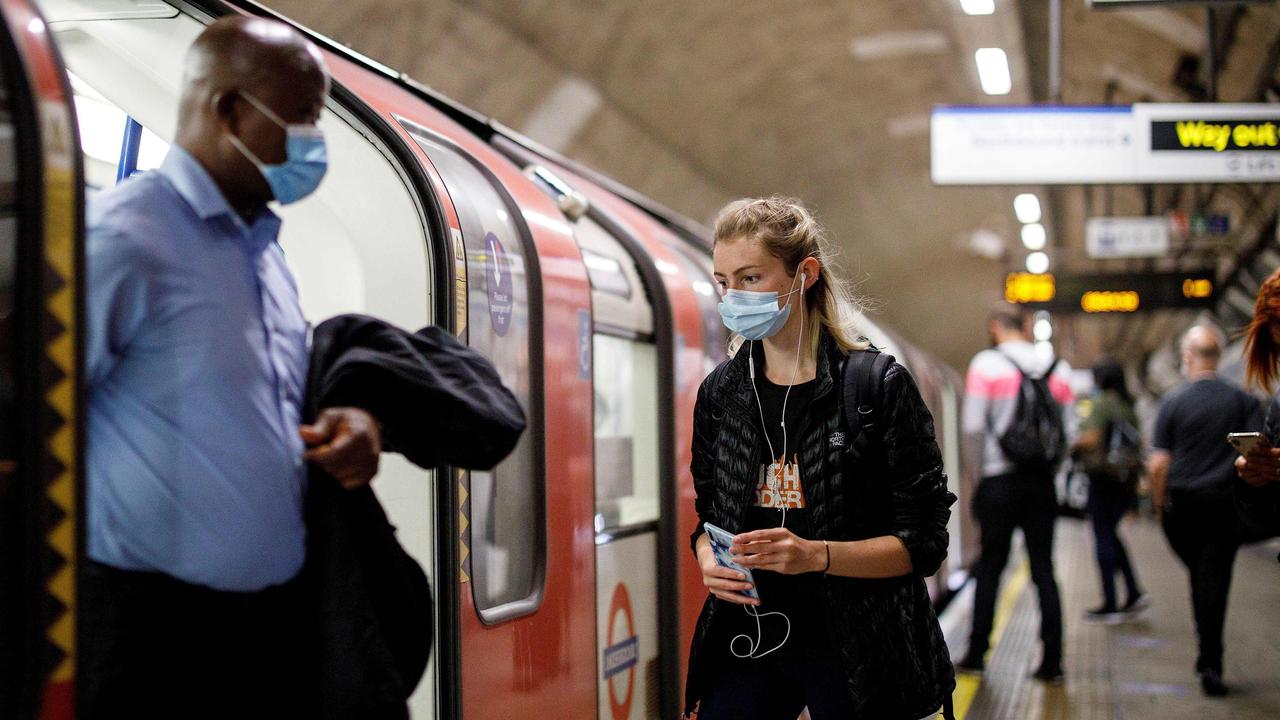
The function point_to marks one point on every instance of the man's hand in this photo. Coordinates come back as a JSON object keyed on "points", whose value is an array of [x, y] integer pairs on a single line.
{"points": [[1158, 474], [779, 550], [1260, 467], [345, 441]]}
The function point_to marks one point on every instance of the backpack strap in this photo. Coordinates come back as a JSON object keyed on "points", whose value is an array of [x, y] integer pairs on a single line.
{"points": [[863, 395], [1023, 373], [1052, 366]]}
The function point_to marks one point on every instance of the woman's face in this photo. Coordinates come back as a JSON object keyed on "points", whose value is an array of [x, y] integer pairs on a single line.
{"points": [[745, 264]]}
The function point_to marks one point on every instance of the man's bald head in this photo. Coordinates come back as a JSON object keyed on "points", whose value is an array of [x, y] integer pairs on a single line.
{"points": [[1202, 348], [253, 54], [244, 80]]}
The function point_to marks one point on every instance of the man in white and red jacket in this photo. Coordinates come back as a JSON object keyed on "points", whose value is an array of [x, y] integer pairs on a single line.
{"points": [[1014, 494]]}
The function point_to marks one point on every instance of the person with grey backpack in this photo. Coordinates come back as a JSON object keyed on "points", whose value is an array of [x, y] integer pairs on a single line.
{"points": [[1016, 419]]}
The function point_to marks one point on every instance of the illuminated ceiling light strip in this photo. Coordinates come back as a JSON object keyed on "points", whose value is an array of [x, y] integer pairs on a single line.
{"points": [[978, 7], [993, 71], [1033, 236], [1037, 262], [1042, 329], [1027, 207]]}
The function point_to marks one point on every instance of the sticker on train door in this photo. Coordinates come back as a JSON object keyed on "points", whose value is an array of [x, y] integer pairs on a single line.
{"points": [[501, 297], [459, 284], [621, 654]]}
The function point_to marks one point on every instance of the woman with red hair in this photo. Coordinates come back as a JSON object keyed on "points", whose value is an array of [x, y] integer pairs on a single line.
{"points": [[1258, 498]]}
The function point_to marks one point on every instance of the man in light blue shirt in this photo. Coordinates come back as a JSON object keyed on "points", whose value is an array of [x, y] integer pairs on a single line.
{"points": [[196, 368]]}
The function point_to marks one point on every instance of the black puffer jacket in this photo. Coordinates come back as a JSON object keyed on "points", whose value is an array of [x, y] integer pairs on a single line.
{"points": [[892, 648]]}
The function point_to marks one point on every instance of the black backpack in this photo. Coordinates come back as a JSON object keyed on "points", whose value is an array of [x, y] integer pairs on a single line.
{"points": [[863, 394], [1036, 439]]}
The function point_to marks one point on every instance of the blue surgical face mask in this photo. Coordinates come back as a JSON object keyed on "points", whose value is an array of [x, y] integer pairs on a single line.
{"points": [[306, 158], [755, 315]]}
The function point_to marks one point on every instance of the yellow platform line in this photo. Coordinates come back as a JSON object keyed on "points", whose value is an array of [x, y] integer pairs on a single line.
{"points": [[967, 684]]}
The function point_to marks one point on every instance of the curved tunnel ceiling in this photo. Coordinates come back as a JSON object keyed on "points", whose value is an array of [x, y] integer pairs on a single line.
{"points": [[698, 103]]}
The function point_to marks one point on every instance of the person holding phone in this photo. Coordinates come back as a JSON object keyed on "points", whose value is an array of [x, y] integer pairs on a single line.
{"points": [[1258, 494], [1191, 485], [838, 545]]}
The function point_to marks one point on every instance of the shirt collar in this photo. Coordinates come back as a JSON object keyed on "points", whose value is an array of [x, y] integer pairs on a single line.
{"points": [[194, 184]]}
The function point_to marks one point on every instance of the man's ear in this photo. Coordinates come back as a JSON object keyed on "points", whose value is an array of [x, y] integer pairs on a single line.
{"points": [[224, 110]]}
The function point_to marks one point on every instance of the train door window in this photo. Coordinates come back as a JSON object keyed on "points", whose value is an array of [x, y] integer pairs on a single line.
{"points": [[715, 338], [104, 128], [508, 537], [625, 383], [627, 464]]}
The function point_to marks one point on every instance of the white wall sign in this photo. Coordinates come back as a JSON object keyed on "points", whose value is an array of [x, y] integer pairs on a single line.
{"points": [[1126, 237], [1145, 143]]}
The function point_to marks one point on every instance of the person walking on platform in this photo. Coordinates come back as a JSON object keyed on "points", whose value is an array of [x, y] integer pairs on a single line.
{"points": [[1191, 486], [1110, 446], [196, 364], [837, 522], [1017, 420], [1258, 493]]}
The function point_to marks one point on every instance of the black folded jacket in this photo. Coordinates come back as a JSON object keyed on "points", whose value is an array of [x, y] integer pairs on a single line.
{"points": [[438, 403]]}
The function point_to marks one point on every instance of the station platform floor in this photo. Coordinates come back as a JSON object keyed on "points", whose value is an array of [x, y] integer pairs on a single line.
{"points": [[1142, 668]]}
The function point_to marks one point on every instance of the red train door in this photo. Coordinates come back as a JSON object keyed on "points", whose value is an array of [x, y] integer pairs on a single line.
{"points": [[633, 348], [41, 256]]}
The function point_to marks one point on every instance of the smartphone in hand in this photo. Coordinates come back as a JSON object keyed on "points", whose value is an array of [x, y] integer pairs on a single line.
{"points": [[721, 540], [1245, 442]]}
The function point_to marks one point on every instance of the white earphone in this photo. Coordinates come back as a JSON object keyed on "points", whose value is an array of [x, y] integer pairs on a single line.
{"points": [[774, 483]]}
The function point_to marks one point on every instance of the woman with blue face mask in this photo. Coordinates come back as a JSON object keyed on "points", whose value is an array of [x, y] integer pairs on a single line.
{"points": [[835, 617]]}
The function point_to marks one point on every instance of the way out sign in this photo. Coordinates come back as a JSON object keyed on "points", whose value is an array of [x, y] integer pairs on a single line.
{"points": [[1144, 143]]}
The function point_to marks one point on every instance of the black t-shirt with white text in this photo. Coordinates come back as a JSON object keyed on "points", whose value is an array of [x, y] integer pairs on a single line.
{"points": [[800, 597]]}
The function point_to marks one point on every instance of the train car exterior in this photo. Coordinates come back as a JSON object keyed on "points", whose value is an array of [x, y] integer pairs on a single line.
{"points": [[564, 583]]}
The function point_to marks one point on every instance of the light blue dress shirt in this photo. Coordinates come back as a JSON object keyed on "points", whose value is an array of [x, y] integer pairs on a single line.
{"points": [[196, 365]]}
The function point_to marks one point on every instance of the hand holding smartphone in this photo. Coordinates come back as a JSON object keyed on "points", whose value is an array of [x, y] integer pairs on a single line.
{"points": [[721, 541]]}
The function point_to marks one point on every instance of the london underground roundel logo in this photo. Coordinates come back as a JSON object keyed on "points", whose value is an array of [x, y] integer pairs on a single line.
{"points": [[621, 654]]}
